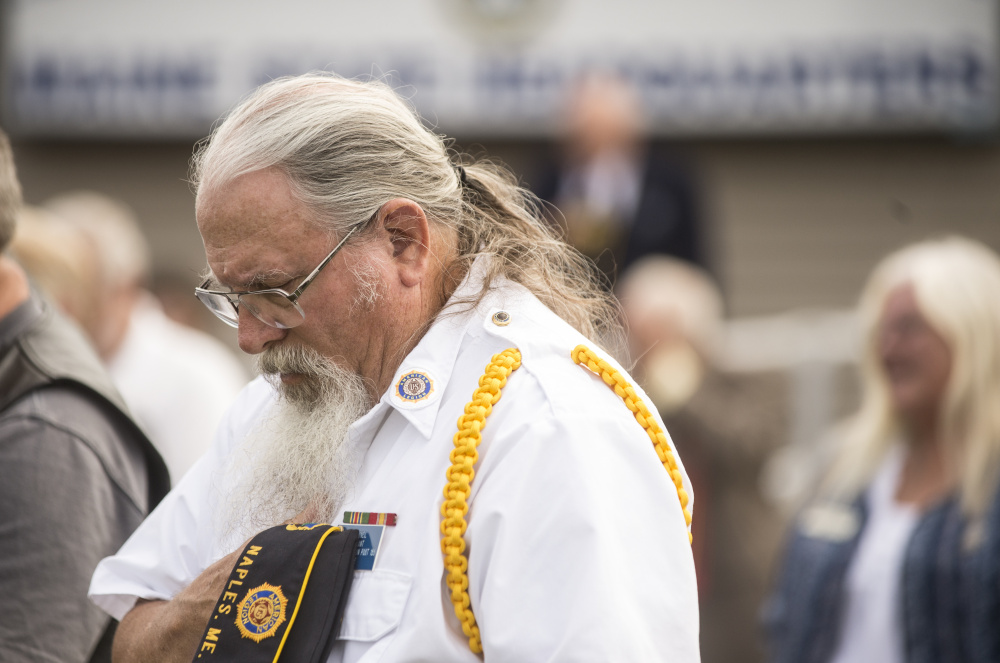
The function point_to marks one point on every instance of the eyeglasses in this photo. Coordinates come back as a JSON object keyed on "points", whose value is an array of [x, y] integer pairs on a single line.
{"points": [[273, 306]]}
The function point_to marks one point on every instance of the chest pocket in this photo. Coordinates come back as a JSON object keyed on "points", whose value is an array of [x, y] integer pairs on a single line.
{"points": [[374, 605]]}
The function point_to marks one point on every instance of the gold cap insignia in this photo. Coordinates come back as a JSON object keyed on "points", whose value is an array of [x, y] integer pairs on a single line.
{"points": [[261, 612]]}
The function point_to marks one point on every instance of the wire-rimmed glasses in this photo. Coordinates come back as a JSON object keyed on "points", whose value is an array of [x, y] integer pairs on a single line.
{"points": [[272, 306]]}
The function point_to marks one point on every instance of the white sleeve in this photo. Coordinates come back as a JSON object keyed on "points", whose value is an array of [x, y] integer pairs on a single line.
{"points": [[180, 538], [578, 549]]}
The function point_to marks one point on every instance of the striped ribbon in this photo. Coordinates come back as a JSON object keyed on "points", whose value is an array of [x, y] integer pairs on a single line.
{"points": [[369, 518]]}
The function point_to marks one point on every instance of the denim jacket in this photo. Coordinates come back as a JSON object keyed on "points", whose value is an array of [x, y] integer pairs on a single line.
{"points": [[949, 593]]}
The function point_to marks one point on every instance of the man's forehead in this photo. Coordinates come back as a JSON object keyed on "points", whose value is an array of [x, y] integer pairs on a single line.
{"points": [[253, 228], [235, 233], [243, 254], [254, 204]]}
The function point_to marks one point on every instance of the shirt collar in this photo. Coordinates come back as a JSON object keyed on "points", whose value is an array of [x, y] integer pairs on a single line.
{"points": [[422, 377]]}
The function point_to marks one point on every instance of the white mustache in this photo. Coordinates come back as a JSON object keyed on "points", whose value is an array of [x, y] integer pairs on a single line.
{"points": [[291, 359]]}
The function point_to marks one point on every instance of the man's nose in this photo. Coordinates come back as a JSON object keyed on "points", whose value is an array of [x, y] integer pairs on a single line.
{"points": [[253, 335]]}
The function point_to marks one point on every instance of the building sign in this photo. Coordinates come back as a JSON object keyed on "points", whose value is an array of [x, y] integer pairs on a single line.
{"points": [[502, 67]]}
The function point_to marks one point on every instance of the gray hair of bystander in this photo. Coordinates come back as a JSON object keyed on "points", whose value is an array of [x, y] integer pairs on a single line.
{"points": [[10, 193]]}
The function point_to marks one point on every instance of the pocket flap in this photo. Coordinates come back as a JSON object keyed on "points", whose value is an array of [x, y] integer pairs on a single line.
{"points": [[375, 604]]}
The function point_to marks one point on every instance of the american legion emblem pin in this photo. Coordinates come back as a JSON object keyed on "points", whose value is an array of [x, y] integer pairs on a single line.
{"points": [[261, 612], [414, 386]]}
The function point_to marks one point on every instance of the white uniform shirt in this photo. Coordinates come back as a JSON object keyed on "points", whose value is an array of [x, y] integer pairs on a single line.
{"points": [[577, 545]]}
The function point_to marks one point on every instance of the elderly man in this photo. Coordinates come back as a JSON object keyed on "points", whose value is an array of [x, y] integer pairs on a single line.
{"points": [[388, 293], [76, 474]]}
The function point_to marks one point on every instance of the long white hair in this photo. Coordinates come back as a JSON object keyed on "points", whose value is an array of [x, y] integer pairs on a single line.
{"points": [[956, 282], [348, 146]]}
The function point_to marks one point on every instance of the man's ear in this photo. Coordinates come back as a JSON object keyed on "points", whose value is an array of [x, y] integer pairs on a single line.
{"points": [[408, 234]]}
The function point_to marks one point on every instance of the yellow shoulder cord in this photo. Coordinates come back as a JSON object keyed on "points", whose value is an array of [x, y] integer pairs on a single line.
{"points": [[458, 488], [583, 355], [464, 457]]}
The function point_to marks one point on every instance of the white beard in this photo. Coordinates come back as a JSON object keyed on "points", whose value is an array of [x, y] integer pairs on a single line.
{"points": [[298, 461]]}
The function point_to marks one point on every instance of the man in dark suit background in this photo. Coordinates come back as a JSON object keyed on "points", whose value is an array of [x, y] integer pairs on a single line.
{"points": [[618, 198]]}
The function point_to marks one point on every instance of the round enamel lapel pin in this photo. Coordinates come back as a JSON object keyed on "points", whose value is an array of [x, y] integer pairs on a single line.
{"points": [[414, 386]]}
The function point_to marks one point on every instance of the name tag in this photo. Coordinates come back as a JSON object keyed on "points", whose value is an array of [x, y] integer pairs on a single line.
{"points": [[369, 541], [830, 521]]}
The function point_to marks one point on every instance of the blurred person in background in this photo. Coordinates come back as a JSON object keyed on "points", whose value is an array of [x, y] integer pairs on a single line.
{"points": [[897, 558], [725, 426], [172, 289], [176, 380], [76, 474], [619, 198], [60, 261]]}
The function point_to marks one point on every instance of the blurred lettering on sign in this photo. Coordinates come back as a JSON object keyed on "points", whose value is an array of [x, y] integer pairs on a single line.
{"points": [[503, 67]]}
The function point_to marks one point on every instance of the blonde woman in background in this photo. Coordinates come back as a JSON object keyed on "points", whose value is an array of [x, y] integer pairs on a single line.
{"points": [[898, 559]]}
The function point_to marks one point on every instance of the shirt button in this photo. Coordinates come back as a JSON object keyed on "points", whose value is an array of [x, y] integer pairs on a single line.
{"points": [[501, 318]]}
